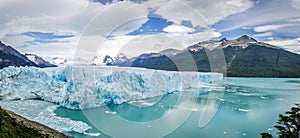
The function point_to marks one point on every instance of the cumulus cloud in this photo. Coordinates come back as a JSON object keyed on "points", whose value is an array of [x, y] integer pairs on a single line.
{"points": [[266, 34], [60, 49], [296, 4], [200, 13], [292, 45], [178, 28], [66, 16], [290, 29], [118, 19], [16, 39], [270, 27], [294, 20], [72, 16], [133, 46], [91, 23], [147, 44], [39, 15], [187, 39], [263, 13]]}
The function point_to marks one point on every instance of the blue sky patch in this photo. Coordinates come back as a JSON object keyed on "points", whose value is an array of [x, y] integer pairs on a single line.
{"points": [[153, 25], [41, 37], [187, 24], [233, 34]]}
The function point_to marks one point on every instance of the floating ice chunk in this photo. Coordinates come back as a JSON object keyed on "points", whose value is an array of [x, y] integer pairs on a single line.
{"points": [[243, 110], [92, 134], [43, 112], [264, 97], [110, 112]]}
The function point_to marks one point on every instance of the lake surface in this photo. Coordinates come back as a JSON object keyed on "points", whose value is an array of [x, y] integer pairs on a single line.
{"points": [[245, 108]]}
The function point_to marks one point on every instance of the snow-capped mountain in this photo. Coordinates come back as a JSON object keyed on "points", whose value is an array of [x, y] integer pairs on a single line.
{"points": [[11, 57], [120, 58], [96, 60], [244, 57], [109, 60], [243, 42], [169, 52], [39, 61], [59, 61]]}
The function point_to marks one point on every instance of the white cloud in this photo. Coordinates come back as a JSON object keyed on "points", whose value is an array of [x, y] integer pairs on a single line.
{"points": [[264, 34], [296, 4], [200, 13], [147, 44], [186, 39], [16, 39], [72, 16], [39, 15], [131, 46], [67, 16], [292, 45], [290, 29], [178, 28], [113, 46], [135, 45], [118, 19], [264, 13], [294, 20], [270, 27], [64, 50], [90, 22]]}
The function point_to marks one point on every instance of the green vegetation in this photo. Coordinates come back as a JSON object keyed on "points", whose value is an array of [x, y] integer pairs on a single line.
{"points": [[287, 125], [253, 61], [9, 128], [259, 61]]}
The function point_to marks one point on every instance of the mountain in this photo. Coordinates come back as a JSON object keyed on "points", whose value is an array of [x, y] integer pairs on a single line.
{"points": [[68, 61], [108, 60], [244, 57], [39, 61], [58, 61], [11, 57], [120, 58]]}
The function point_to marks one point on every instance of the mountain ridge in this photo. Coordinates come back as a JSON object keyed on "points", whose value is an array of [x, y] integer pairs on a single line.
{"points": [[244, 57], [11, 57], [39, 61]]}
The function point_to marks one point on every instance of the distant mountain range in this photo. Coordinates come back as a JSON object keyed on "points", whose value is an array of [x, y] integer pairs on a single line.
{"points": [[11, 57], [244, 57]]}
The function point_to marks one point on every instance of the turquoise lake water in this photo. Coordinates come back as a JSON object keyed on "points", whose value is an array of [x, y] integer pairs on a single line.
{"points": [[245, 108]]}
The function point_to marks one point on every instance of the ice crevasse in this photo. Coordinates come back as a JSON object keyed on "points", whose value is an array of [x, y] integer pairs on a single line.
{"points": [[79, 87]]}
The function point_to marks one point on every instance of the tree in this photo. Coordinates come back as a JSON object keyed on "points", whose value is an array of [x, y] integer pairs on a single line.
{"points": [[266, 135], [288, 125]]}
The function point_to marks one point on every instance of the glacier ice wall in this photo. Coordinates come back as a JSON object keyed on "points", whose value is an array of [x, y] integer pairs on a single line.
{"points": [[92, 86]]}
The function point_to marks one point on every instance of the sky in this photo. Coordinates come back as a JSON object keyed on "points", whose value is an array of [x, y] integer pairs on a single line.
{"points": [[89, 28]]}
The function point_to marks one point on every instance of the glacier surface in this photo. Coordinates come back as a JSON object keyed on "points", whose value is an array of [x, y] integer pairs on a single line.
{"points": [[79, 87]]}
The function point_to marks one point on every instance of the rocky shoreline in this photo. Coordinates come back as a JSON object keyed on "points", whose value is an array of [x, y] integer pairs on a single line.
{"points": [[45, 131]]}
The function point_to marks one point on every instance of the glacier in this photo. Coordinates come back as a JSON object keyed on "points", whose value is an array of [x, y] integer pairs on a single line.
{"points": [[80, 87]]}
